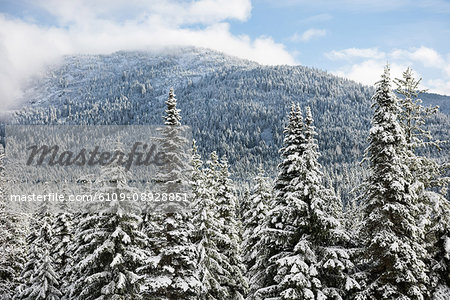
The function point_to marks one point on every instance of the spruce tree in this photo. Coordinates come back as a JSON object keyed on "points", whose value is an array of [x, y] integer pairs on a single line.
{"points": [[326, 232], [111, 249], [174, 275], [281, 228], [309, 259], [62, 241], [427, 174], [39, 278], [393, 248], [225, 201], [253, 219], [438, 240], [12, 241], [208, 229]]}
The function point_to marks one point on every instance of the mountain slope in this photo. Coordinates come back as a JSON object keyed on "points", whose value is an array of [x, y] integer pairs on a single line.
{"points": [[234, 106]]}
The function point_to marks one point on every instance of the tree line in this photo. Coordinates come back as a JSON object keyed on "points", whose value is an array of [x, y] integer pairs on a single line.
{"points": [[287, 238]]}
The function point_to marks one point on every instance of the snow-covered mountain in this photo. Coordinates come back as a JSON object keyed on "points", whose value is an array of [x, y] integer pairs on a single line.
{"points": [[234, 106]]}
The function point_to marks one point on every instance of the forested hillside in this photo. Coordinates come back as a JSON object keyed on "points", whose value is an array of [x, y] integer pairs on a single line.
{"points": [[235, 107], [296, 232]]}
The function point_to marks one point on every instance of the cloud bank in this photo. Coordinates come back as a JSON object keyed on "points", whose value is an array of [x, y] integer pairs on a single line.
{"points": [[106, 26], [365, 65]]}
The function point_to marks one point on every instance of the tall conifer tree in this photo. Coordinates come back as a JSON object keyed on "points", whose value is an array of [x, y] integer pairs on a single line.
{"points": [[393, 239], [175, 275], [111, 249]]}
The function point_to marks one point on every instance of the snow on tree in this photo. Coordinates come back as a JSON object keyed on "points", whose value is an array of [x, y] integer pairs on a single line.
{"points": [[174, 275], [285, 216], [412, 115], [39, 278], [291, 154], [253, 220], [438, 239], [62, 241], [111, 249], [226, 209], [326, 232], [309, 259], [208, 229], [427, 173], [393, 239], [221, 271], [12, 241]]}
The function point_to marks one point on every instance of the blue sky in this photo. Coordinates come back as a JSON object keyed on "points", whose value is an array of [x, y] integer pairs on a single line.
{"points": [[350, 38]]}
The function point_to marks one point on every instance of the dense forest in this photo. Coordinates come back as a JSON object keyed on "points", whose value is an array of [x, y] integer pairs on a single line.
{"points": [[276, 152], [234, 107]]}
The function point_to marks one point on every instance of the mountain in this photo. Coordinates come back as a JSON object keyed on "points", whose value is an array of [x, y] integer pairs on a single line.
{"points": [[234, 106]]}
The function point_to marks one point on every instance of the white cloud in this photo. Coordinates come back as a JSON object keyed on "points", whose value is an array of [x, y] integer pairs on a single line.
{"points": [[368, 72], [172, 11], [442, 86], [366, 65], [350, 53], [111, 25], [308, 35], [426, 56]]}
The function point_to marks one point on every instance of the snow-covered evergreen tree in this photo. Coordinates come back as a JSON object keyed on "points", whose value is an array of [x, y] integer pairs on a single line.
{"points": [[12, 241], [253, 220], [39, 278], [111, 249], [62, 242], [310, 260], [434, 208], [225, 201], [174, 275], [286, 214], [412, 114], [394, 249], [326, 231], [291, 153], [438, 240], [208, 229]]}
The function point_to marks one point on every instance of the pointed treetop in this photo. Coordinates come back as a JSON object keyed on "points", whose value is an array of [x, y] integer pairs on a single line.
{"points": [[408, 86], [261, 171], [384, 84], [310, 130], [172, 116]]}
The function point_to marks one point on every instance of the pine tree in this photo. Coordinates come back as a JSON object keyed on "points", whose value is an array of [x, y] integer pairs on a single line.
{"points": [[311, 260], [174, 275], [427, 173], [208, 229], [111, 249], [281, 229], [63, 230], [253, 220], [326, 232], [393, 239], [39, 279], [225, 200], [12, 241]]}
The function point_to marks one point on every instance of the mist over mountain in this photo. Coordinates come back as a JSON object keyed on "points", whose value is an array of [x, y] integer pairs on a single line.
{"points": [[235, 107]]}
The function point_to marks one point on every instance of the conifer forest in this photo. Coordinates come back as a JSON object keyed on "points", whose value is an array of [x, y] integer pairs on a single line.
{"points": [[302, 185]]}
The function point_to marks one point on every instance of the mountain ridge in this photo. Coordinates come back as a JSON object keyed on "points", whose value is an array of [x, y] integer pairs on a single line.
{"points": [[234, 106]]}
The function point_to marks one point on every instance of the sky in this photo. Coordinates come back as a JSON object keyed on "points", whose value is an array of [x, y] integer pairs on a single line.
{"points": [[350, 38]]}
